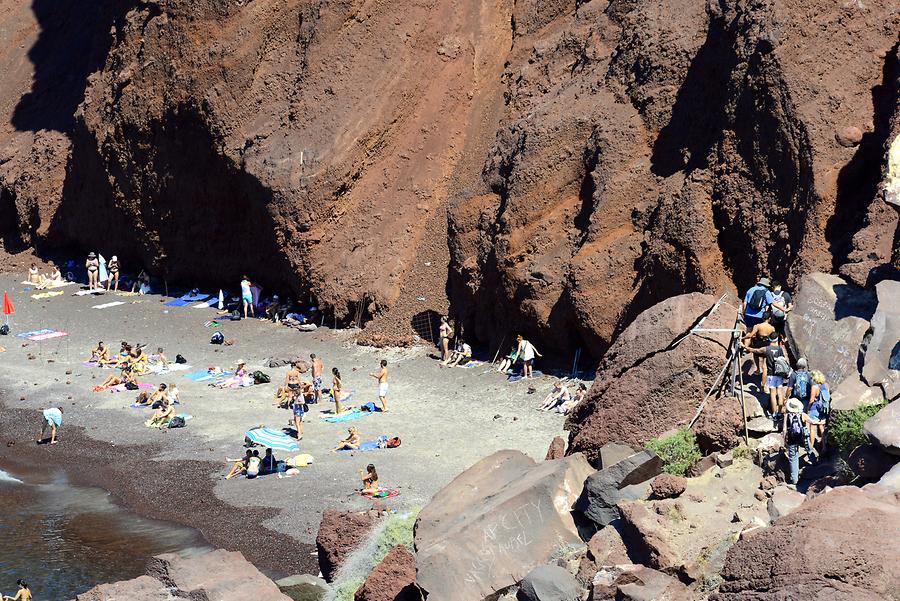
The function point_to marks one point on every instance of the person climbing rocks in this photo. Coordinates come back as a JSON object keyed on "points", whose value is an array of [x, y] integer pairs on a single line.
{"points": [[756, 339], [796, 428], [782, 304], [819, 407], [247, 297], [777, 370], [799, 384], [756, 301]]}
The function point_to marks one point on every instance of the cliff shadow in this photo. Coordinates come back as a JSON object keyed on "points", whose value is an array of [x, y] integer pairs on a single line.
{"points": [[73, 43]]}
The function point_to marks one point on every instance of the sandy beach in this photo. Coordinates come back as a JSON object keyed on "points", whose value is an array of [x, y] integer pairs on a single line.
{"points": [[447, 419]]}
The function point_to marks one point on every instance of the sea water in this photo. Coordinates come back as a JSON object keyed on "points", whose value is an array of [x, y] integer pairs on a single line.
{"points": [[64, 539]]}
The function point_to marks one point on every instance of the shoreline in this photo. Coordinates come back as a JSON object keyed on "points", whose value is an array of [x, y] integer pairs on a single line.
{"points": [[190, 502]]}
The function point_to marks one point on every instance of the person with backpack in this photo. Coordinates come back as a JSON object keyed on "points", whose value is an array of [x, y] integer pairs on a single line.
{"points": [[799, 384], [795, 434], [781, 305], [819, 407], [756, 301], [778, 370]]}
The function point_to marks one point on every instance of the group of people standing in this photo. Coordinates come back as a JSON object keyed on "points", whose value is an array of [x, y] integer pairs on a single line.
{"points": [[523, 352], [799, 398]]}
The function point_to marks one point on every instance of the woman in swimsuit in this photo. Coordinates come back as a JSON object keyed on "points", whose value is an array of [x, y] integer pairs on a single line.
{"points": [[446, 333], [24, 593], [161, 416], [33, 275], [351, 443], [369, 479], [93, 269], [113, 268], [336, 391]]}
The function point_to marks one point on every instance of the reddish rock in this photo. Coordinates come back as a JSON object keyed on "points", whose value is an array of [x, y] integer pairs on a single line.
{"points": [[645, 384], [849, 136], [667, 486], [339, 534], [702, 465], [218, 574], [786, 560], [720, 425], [392, 580], [142, 588], [557, 449]]}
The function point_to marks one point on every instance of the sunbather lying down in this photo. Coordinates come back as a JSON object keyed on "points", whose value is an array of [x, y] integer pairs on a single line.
{"points": [[125, 377]]}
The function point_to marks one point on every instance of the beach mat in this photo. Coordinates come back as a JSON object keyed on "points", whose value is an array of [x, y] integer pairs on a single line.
{"points": [[517, 378], [34, 333], [177, 303], [40, 335], [369, 445], [383, 493], [206, 304], [472, 364], [345, 417], [88, 292], [108, 305], [44, 295], [158, 369], [203, 374], [50, 286], [187, 299], [121, 388]]}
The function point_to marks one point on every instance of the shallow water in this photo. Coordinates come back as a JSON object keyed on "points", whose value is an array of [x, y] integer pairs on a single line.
{"points": [[65, 539]]}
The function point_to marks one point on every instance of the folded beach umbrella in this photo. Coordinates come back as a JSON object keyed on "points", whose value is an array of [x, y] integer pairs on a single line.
{"points": [[221, 300], [274, 439], [7, 306]]}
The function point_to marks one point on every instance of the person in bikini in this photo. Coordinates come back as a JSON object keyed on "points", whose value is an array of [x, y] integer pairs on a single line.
{"points": [[369, 479], [382, 377], [317, 368], [93, 269], [126, 377], [113, 268], [757, 339], [292, 381], [337, 392], [351, 443], [23, 594]]}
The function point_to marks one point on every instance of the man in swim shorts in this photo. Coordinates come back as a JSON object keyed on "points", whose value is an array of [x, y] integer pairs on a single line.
{"points": [[382, 376], [317, 368]]}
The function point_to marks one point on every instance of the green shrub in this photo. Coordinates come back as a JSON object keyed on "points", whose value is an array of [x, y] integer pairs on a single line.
{"points": [[398, 530], [846, 427], [678, 451], [346, 590]]}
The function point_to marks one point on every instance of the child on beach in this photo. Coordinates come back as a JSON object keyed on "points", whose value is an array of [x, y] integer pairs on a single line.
{"points": [[369, 479], [351, 443], [52, 420]]}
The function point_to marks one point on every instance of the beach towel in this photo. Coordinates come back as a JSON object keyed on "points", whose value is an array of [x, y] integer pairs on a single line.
{"points": [[124, 293], [87, 292], [121, 388], [205, 374], [50, 285], [104, 275], [382, 493], [44, 295], [369, 445], [206, 304], [177, 303], [519, 377], [157, 368], [47, 336], [108, 305], [346, 416], [471, 364], [187, 299], [34, 333]]}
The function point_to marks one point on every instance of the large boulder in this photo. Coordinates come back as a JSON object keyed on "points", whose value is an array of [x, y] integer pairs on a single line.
{"points": [[870, 462], [720, 425], [549, 583], [623, 481], [891, 480], [495, 522], [883, 428], [557, 449], [853, 393], [142, 588], [630, 582], [612, 453], [840, 546], [667, 486], [783, 501], [828, 324], [646, 382], [340, 532], [220, 575], [393, 579], [881, 363]]}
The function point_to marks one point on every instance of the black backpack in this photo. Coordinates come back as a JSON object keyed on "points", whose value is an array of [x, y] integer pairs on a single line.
{"points": [[4, 330], [260, 378], [235, 315], [176, 422], [217, 338], [758, 299], [794, 428], [180, 359]]}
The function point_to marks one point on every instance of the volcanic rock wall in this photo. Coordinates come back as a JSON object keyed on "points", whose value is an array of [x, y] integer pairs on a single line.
{"points": [[549, 167]]}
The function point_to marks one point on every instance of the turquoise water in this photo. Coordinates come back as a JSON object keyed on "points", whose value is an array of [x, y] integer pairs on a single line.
{"points": [[65, 539]]}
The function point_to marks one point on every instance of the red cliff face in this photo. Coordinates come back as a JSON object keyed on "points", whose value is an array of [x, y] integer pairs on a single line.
{"points": [[548, 167]]}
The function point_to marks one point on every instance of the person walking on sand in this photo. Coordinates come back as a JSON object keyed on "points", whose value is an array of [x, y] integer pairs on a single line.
{"points": [[527, 352], [53, 420], [93, 270], [317, 368], [382, 376], [247, 297], [446, 333], [113, 268], [23, 594]]}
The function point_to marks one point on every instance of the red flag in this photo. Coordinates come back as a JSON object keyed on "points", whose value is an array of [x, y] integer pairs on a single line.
{"points": [[7, 305]]}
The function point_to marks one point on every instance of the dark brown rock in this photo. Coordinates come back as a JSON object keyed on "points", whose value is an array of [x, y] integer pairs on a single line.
{"points": [[883, 428], [871, 462], [339, 534], [667, 486], [557, 449], [632, 582], [849, 136], [702, 466], [786, 559], [720, 425], [393, 579]]}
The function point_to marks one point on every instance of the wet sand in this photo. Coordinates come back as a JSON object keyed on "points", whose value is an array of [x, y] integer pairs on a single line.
{"points": [[447, 418]]}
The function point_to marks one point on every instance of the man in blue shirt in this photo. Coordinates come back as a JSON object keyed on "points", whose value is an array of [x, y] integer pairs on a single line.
{"points": [[756, 301]]}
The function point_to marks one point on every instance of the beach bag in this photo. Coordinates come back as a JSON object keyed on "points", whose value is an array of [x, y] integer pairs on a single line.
{"points": [[782, 367], [381, 442], [131, 386], [177, 422], [235, 315], [261, 378], [370, 406], [802, 383], [180, 359], [758, 300], [217, 338], [393, 442], [4, 330]]}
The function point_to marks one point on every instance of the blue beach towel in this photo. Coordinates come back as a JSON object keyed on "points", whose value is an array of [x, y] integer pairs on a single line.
{"points": [[369, 445], [345, 417], [203, 374]]}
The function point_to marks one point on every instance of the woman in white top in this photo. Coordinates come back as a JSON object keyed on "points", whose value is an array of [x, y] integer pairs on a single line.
{"points": [[527, 352]]}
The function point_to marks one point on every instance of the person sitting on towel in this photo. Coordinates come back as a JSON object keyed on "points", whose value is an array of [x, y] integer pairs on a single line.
{"points": [[253, 464], [162, 415], [160, 395], [556, 397], [460, 356], [240, 465], [269, 463], [282, 396], [351, 443], [508, 361], [138, 360], [100, 354], [161, 358], [126, 377], [369, 479], [566, 407], [124, 356], [275, 310], [142, 284]]}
